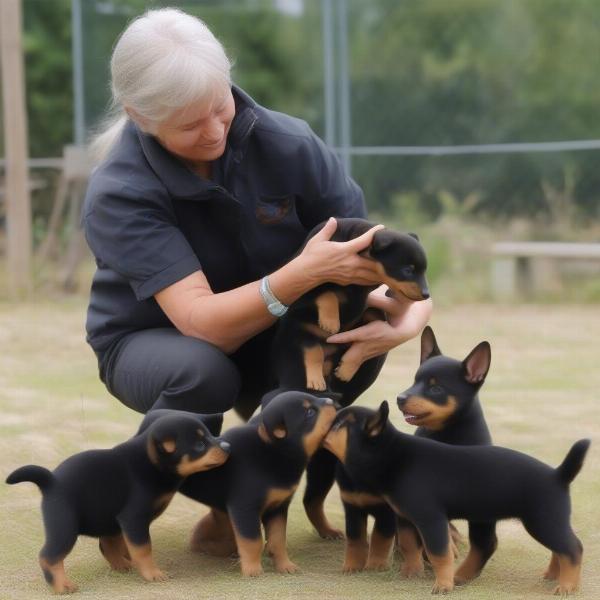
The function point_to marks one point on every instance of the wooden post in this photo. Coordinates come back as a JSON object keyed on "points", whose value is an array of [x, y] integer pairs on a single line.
{"points": [[18, 203]]}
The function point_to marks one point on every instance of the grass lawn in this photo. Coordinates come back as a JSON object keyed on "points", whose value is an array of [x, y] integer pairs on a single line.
{"points": [[542, 394]]}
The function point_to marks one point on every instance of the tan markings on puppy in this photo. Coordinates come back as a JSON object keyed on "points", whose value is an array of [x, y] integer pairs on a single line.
{"points": [[443, 567], [328, 308], [553, 569], [470, 567], [200, 432], [428, 414], [143, 561], [313, 439], [55, 575], [337, 443], [316, 515], [357, 550], [347, 366], [327, 368], [161, 503], [275, 531], [379, 552], [168, 445], [568, 578], [432, 381], [114, 551], [410, 289], [250, 551], [361, 499], [212, 458], [412, 552], [214, 535], [275, 496], [315, 330], [313, 366]]}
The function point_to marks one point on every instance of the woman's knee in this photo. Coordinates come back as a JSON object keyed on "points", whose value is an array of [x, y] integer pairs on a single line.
{"points": [[204, 380]]}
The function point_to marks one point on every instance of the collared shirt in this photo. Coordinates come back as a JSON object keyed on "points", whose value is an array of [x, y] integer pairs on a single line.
{"points": [[151, 221]]}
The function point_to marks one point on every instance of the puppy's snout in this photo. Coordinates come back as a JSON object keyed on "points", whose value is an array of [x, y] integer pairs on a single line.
{"points": [[225, 446], [425, 294], [401, 399]]}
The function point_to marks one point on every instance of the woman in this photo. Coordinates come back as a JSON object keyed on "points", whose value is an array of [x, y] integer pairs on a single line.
{"points": [[201, 200]]}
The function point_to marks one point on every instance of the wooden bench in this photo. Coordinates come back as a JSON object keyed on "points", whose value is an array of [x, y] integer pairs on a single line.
{"points": [[513, 272]]}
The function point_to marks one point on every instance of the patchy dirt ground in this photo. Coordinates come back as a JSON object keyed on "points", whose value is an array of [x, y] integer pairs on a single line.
{"points": [[542, 393]]}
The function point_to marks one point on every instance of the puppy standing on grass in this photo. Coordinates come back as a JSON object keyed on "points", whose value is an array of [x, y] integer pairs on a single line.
{"points": [[444, 405], [429, 483], [268, 457], [115, 494]]}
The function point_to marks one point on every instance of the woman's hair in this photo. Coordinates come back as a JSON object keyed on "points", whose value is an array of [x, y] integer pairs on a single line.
{"points": [[164, 60]]}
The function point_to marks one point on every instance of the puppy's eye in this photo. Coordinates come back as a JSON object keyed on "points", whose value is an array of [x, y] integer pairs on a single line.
{"points": [[408, 271], [436, 389], [310, 412], [199, 446]]}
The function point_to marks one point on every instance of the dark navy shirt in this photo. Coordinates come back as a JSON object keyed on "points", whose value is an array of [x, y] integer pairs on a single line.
{"points": [[151, 221]]}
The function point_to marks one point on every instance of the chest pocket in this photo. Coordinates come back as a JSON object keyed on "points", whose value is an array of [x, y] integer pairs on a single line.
{"points": [[271, 210]]}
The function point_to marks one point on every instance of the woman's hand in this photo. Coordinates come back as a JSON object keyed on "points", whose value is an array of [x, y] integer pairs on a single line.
{"points": [[339, 262], [406, 319]]}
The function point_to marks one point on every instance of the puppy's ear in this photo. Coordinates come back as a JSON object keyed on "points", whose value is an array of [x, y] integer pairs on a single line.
{"points": [[381, 241], [377, 422], [414, 235], [429, 345], [477, 363]]}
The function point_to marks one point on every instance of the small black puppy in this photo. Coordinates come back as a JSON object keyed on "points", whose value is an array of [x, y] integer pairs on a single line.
{"points": [[268, 457], [444, 405], [301, 357], [303, 360], [429, 483], [115, 494]]}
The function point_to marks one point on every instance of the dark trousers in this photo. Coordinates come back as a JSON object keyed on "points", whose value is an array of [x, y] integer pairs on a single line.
{"points": [[161, 368]]}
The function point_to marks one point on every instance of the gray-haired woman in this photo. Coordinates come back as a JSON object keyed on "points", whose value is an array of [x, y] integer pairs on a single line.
{"points": [[200, 194]]}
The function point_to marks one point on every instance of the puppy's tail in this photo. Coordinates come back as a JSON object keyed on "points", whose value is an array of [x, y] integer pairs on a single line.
{"points": [[38, 475], [568, 469]]}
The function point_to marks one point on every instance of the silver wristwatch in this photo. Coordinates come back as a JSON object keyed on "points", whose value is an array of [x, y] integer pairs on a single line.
{"points": [[274, 306]]}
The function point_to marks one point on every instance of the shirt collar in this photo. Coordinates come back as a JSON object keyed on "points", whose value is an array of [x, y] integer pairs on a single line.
{"points": [[181, 181]]}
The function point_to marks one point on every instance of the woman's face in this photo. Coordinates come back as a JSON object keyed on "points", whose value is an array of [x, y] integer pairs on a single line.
{"points": [[198, 133]]}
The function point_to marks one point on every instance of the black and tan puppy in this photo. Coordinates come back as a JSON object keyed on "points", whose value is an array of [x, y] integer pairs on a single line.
{"points": [[302, 359], [115, 494], [429, 482], [444, 404], [268, 457]]}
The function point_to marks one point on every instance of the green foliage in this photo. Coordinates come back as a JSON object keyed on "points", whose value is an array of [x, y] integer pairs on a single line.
{"points": [[422, 73], [48, 75]]}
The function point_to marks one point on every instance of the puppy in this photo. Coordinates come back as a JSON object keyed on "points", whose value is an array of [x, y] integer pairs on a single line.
{"points": [[303, 360], [443, 403], [267, 459], [115, 494], [429, 483]]}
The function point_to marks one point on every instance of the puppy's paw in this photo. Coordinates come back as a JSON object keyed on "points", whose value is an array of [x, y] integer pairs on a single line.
{"points": [[254, 570], [442, 587], [377, 565], [346, 370], [316, 383], [286, 566], [65, 587], [350, 568], [412, 569], [329, 324], [565, 589], [330, 533], [120, 564], [154, 574]]}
